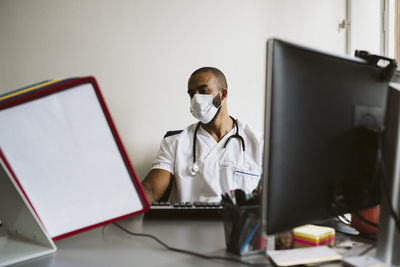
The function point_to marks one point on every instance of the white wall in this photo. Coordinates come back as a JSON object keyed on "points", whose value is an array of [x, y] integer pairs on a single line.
{"points": [[366, 26], [142, 53], [390, 27]]}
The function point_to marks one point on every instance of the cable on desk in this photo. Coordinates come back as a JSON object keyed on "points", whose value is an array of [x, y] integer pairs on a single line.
{"points": [[365, 251], [191, 252]]}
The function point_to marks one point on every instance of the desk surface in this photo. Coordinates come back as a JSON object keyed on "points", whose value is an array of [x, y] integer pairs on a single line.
{"points": [[110, 246]]}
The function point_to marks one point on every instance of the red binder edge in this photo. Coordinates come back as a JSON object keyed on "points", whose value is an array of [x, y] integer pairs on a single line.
{"points": [[60, 87]]}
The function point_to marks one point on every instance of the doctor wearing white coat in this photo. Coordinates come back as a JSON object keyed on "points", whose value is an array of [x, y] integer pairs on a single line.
{"points": [[216, 155]]}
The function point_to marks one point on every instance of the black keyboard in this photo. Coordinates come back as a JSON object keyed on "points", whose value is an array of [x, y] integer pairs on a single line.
{"points": [[195, 210]]}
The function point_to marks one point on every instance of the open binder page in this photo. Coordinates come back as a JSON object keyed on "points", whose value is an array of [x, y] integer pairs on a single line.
{"points": [[66, 159]]}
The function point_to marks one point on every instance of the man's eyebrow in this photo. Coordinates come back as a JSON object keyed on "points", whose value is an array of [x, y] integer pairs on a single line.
{"points": [[199, 87]]}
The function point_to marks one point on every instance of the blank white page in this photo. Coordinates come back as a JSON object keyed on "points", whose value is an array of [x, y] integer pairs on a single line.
{"points": [[65, 157], [299, 256]]}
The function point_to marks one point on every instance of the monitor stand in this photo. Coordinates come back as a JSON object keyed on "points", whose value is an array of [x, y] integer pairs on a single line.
{"points": [[388, 247]]}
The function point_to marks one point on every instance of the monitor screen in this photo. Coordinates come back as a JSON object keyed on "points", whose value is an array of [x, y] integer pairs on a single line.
{"points": [[318, 154]]}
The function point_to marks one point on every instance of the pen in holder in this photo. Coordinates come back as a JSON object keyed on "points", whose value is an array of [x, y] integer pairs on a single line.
{"points": [[242, 229]]}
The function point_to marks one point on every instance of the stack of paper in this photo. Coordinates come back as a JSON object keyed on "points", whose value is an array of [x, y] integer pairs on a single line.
{"points": [[312, 235], [311, 255]]}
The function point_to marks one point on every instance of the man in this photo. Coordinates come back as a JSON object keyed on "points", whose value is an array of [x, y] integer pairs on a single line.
{"points": [[211, 157]]}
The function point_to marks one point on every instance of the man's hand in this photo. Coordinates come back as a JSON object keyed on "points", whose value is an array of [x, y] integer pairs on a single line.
{"points": [[155, 184]]}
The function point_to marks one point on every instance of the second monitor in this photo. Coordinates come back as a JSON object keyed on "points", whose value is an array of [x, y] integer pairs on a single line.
{"points": [[319, 154]]}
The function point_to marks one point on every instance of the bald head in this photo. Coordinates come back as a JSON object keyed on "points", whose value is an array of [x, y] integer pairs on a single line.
{"points": [[220, 77]]}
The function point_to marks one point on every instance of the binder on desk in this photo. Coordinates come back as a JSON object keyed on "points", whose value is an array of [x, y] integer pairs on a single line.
{"points": [[22, 237], [61, 147]]}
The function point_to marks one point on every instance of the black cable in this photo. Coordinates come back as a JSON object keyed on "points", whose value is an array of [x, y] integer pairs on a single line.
{"points": [[384, 185], [362, 218], [380, 171], [376, 173], [356, 236], [190, 252], [194, 142], [365, 251]]}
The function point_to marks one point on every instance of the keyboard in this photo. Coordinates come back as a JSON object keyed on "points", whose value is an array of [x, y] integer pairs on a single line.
{"points": [[188, 210]]}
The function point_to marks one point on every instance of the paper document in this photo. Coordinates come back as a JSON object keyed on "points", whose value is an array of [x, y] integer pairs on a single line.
{"points": [[298, 256]]}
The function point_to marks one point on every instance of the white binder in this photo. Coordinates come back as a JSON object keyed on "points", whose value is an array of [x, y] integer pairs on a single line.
{"points": [[62, 150], [22, 237]]}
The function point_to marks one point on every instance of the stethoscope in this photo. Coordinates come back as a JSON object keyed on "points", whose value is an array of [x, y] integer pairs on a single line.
{"points": [[195, 168]]}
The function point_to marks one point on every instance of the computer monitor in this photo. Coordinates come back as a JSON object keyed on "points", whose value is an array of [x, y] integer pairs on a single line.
{"points": [[319, 156]]}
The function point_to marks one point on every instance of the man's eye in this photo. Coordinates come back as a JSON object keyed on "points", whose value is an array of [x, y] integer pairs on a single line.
{"points": [[203, 91]]}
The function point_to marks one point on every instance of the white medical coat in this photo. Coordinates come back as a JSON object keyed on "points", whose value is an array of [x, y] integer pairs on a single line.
{"points": [[221, 169]]}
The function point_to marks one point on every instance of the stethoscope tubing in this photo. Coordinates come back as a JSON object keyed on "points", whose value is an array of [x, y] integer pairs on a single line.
{"points": [[236, 135]]}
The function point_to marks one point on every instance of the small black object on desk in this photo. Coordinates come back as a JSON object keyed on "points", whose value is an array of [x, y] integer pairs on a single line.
{"points": [[242, 224]]}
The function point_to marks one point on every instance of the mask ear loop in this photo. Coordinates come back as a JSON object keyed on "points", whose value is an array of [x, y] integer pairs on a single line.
{"points": [[220, 99]]}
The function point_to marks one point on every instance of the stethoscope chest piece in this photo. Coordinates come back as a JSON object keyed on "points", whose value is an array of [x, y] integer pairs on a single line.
{"points": [[194, 169]]}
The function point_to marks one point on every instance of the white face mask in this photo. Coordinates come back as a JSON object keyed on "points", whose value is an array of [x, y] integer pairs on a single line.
{"points": [[202, 107]]}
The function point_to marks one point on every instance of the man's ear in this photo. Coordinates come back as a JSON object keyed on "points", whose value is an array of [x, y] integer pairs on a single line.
{"points": [[224, 92]]}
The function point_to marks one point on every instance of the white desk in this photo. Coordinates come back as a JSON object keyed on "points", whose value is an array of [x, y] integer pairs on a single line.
{"points": [[109, 246]]}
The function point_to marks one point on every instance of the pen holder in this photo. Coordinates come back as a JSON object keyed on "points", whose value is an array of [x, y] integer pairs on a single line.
{"points": [[242, 229]]}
